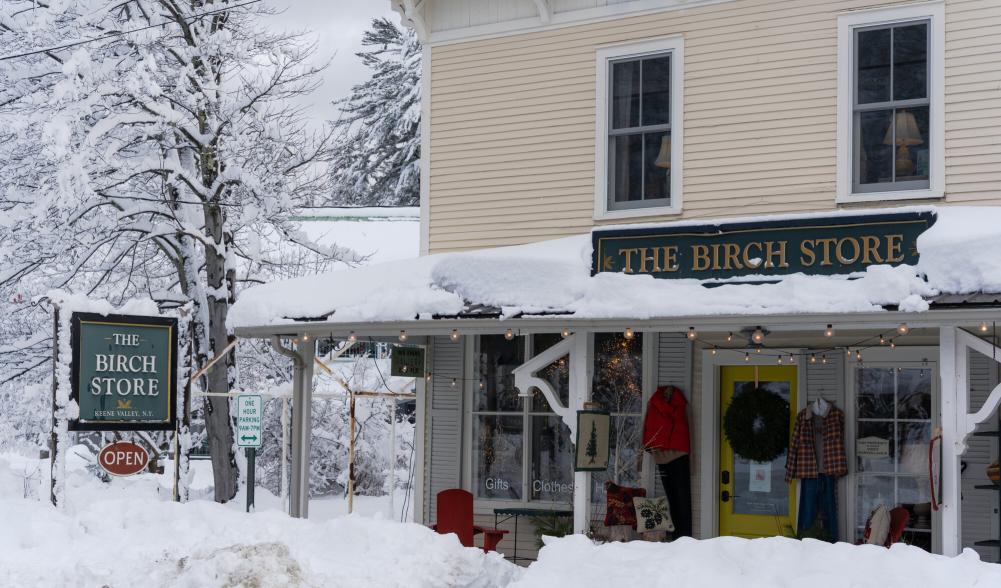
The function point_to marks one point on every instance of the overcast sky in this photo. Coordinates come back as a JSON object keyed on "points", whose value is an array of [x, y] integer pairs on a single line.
{"points": [[338, 26]]}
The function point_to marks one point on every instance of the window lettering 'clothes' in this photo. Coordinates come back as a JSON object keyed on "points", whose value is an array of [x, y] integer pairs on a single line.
{"points": [[802, 461]]}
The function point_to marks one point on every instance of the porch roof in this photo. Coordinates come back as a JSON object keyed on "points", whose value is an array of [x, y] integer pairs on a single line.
{"points": [[551, 280]]}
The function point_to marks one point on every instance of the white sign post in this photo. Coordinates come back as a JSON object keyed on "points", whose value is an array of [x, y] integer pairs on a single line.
{"points": [[249, 429]]}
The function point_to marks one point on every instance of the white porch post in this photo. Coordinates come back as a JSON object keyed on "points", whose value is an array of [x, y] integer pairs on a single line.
{"points": [[580, 385], [952, 367]]}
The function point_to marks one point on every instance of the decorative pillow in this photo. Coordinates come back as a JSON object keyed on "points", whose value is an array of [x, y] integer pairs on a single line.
{"points": [[620, 510], [652, 514]]}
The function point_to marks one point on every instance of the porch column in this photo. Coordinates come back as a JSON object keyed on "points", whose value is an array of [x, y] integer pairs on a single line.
{"points": [[580, 385], [953, 390], [302, 417]]}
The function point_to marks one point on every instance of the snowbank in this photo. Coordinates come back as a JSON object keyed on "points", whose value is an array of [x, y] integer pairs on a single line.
{"points": [[760, 563], [957, 256], [127, 534]]}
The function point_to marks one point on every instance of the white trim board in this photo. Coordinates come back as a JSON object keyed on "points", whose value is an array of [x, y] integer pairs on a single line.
{"points": [[934, 12], [675, 45]]}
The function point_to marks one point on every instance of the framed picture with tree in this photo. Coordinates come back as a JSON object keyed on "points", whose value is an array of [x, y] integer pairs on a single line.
{"points": [[593, 436]]}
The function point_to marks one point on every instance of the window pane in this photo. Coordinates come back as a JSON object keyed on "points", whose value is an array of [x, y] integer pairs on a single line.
{"points": [[914, 494], [618, 373], [910, 62], [911, 141], [557, 373], [625, 460], [656, 91], [873, 66], [912, 441], [552, 460], [495, 362], [874, 449], [914, 393], [626, 162], [875, 157], [625, 94], [497, 456], [657, 166], [874, 388], [872, 491]]}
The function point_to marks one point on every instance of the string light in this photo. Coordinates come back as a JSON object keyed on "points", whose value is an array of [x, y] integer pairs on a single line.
{"points": [[823, 359], [882, 340], [565, 332], [893, 345], [757, 350], [758, 336], [428, 377], [792, 358], [454, 382], [455, 335], [714, 350], [628, 333], [829, 331], [903, 329], [404, 369], [813, 358], [983, 327], [509, 334], [403, 336], [729, 338], [482, 384], [747, 357], [780, 360], [691, 333], [848, 351], [305, 337], [352, 337], [858, 355]]}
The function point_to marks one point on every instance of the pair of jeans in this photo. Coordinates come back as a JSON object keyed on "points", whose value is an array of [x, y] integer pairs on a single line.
{"points": [[676, 476], [819, 497]]}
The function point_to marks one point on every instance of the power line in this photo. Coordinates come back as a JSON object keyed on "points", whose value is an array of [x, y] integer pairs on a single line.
{"points": [[114, 34]]}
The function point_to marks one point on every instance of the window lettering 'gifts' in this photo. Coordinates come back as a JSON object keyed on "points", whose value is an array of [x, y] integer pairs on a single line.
{"points": [[838, 245]]}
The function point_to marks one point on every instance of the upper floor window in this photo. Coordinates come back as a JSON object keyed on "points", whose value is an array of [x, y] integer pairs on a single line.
{"points": [[638, 164], [891, 119], [892, 143]]}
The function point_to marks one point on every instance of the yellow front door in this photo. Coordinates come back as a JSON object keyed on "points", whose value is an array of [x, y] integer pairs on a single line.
{"points": [[754, 499]]}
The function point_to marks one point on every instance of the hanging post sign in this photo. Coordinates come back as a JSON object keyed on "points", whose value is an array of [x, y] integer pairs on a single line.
{"points": [[249, 420], [123, 372], [811, 245], [407, 362]]}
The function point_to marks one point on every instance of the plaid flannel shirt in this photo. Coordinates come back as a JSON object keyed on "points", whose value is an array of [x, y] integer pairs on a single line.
{"points": [[801, 460]]}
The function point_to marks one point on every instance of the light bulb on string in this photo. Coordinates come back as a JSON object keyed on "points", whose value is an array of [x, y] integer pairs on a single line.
{"points": [[482, 384], [565, 332], [893, 345], [352, 338], [714, 351], [848, 351], [792, 358], [829, 331], [813, 358], [858, 355], [454, 382], [403, 336], [747, 357], [428, 377], [757, 350], [882, 340], [455, 335], [983, 327], [823, 359], [758, 336], [692, 334], [729, 338], [628, 333], [305, 337], [509, 334], [903, 329], [780, 360]]}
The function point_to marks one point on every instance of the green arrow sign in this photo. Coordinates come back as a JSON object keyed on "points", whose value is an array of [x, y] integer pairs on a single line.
{"points": [[249, 420]]}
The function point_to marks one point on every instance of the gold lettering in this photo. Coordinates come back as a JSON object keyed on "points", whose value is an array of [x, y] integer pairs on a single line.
{"points": [[771, 253], [731, 253], [716, 265], [627, 268], [806, 249], [894, 244], [827, 250], [752, 262], [844, 259], [700, 258], [670, 254], [870, 250], [644, 257]]}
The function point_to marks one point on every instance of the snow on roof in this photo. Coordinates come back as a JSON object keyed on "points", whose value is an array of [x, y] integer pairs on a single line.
{"points": [[380, 233], [958, 254]]}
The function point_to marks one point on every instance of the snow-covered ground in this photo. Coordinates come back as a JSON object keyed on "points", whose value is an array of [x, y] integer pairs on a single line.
{"points": [[127, 533]]}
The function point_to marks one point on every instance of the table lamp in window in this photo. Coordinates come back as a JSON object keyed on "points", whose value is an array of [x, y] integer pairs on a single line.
{"points": [[907, 135]]}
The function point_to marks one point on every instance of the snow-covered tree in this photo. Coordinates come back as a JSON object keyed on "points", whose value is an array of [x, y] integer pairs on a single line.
{"points": [[162, 158], [378, 148]]}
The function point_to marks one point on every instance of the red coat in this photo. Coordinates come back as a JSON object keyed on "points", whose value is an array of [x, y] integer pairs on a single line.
{"points": [[666, 424]]}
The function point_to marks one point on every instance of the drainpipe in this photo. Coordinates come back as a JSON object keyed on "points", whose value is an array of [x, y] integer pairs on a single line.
{"points": [[302, 409]]}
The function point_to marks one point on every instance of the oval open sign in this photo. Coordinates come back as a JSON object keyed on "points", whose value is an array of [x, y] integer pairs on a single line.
{"points": [[123, 458]]}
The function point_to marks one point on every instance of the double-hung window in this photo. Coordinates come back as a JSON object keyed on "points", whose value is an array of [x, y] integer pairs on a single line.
{"points": [[639, 129], [891, 112]]}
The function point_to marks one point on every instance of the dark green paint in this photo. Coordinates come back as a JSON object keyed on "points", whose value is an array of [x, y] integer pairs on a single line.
{"points": [[407, 362]]}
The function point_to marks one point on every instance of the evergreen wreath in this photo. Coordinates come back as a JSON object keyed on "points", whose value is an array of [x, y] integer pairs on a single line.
{"points": [[757, 425]]}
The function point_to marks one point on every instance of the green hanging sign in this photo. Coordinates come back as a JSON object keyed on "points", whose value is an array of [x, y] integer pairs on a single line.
{"points": [[809, 245], [123, 372], [407, 362]]}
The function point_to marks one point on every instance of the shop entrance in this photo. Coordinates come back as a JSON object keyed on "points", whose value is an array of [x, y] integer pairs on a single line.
{"points": [[754, 500]]}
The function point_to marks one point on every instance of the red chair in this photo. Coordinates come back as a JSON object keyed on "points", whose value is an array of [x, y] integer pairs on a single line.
{"points": [[898, 520], [455, 515]]}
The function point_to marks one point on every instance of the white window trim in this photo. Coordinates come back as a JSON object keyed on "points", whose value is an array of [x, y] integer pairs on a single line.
{"points": [[934, 12], [676, 47]]}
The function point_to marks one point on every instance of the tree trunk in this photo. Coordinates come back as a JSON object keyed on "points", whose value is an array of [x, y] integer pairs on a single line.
{"points": [[218, 423]]}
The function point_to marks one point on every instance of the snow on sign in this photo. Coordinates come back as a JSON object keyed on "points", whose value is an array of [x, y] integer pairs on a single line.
{"points": [[249, 416]]}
